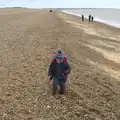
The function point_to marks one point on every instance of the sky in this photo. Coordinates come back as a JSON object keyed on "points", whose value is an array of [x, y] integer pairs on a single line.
{"points": [[61, 3]]}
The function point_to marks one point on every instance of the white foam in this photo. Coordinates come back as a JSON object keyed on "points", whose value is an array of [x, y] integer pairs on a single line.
{"points": [[95, 19]]}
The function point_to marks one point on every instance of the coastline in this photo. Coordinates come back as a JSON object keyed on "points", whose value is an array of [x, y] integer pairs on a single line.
{"points": [[97, 19]]}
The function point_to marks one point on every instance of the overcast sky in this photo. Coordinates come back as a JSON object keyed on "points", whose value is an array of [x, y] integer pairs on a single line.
{"points": [[61, 3]]}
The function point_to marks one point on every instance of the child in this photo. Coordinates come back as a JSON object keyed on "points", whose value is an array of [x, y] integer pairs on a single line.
{"points": [[58, 71]]}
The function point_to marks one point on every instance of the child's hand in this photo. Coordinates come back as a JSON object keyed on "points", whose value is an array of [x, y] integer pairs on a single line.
{"points": [[50, 83], [63, 74]]}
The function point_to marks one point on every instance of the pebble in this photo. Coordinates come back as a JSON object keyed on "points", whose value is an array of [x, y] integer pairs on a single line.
{"points": [[48, 106]]}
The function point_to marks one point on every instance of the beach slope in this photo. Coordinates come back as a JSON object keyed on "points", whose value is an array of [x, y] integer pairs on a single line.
{"points": [[28, 40]]}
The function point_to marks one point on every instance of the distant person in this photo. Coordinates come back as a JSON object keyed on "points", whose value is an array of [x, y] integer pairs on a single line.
{"points": [[89, 18], [50, 10], [82, 17], [58, 72], [92, 18]]}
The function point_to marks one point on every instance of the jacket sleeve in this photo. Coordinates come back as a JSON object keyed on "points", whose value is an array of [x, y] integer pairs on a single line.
{"points": [[67, 69], [50, 69], [50, 72]]}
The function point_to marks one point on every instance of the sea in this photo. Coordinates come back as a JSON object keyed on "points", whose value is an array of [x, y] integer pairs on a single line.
{"points": [[110, 16]]}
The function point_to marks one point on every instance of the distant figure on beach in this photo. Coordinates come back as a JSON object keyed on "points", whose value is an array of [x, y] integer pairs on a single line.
{"points": [[92, 18], [82, 17], [50, 10], [89, 18]]}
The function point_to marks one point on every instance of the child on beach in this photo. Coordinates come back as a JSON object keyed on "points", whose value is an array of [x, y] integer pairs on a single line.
{"points": [[58, 71], [92, 18]]}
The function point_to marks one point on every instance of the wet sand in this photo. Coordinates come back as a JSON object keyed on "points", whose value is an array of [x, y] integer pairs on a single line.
{"points": [[29, 39]]}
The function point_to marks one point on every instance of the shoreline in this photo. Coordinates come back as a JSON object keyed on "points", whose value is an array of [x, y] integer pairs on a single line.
{"points": [[96, 19]]}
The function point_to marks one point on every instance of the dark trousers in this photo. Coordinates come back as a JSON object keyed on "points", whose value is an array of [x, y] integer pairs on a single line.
{"points": [[55, 84]]}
